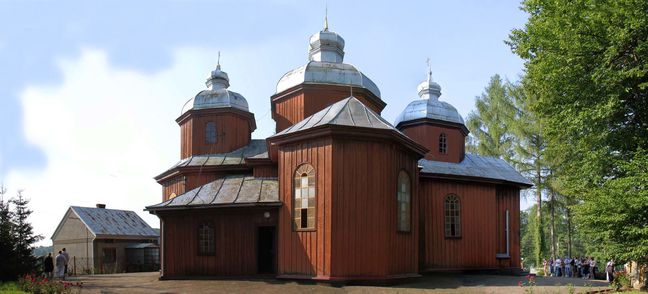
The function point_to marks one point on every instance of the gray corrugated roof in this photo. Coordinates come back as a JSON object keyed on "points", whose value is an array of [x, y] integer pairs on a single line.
{"points": [[256, 147], [346, 112], [229, 191], [113, 222], [476, 166]]}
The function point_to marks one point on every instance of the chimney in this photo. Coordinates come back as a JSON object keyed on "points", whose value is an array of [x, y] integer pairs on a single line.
{"points": [[99, 205]]}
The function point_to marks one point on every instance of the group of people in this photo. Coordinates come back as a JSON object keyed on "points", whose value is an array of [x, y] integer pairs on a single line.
{"points": [[61, 259], [584, 267]]}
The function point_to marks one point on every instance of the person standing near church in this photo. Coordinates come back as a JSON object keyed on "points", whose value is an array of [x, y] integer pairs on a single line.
{"points": [[48, 265], [67, 260], [60, 265]]}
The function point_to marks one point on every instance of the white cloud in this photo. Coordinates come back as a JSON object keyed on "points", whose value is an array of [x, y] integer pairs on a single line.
{"points": [[107, 131]]}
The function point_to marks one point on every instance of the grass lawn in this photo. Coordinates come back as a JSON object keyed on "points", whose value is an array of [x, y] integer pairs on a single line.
{"points": [[10, 288]]}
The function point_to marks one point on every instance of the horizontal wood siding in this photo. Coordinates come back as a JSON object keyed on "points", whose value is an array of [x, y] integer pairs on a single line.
{"points": [[477, 246], [305, 253], [428, 136], [366, 243], [236, 243], [233, 132]]}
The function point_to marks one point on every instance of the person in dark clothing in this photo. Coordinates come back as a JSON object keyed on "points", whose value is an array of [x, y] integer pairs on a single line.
{"points": [[48, 265]]}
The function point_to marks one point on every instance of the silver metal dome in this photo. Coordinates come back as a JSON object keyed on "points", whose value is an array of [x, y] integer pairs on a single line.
{"points": [[429, 106], [216, 95], [325, 66]]}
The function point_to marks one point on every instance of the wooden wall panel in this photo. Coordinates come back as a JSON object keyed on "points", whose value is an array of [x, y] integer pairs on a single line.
{"points": [[365, 241], [236, 242], [233, 132], [428, 136], [293, 107], [508, 198], [265, 171], [304, 253], [478, 243], [174, 186]]}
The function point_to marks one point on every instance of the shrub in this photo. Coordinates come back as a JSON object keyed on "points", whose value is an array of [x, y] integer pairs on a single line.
{"points": [[39, 285]]}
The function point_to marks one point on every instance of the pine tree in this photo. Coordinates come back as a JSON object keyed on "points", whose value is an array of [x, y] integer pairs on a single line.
{"points": [[7, 240], [25, 237]]}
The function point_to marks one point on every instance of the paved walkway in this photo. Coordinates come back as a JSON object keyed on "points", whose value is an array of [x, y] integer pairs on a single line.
{"points": [[433, 283]]}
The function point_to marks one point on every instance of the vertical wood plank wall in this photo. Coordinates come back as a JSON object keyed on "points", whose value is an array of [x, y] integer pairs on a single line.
{"points": [[365, 241], [305, 253], [233, 132], [179, 186], [477, 246], [303, 103], [428, 136], [508, 198], [236, 243]]}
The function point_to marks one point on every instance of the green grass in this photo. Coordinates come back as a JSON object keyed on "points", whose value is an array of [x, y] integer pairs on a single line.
{"points": [[10, 288]]}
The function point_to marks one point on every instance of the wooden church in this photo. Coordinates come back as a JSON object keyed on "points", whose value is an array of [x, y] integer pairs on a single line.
{"points": [[338, 193]]}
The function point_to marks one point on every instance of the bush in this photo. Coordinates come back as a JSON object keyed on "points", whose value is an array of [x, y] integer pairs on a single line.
{"points": [[621, 281], [39, 285]]}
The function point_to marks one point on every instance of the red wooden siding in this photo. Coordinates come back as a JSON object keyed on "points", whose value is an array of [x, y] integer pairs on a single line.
{"points": [[293, 106], [264, 171], [428, 136], [477, 246], [233, 132], [365, 241], [305, 253], [173, 186], [508, 198], [236, 243]]}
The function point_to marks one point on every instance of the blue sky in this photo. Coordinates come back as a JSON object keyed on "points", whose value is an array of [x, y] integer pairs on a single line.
{"points": [[89, 90]]}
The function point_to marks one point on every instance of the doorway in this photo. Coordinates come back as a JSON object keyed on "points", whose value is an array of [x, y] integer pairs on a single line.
{"points": [[266, 250]]}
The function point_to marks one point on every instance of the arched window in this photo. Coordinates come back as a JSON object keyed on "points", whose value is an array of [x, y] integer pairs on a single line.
{"points": [[210, 133], [452, 216], [443, 143], [206, 239], [304, 198], [404, 198]]}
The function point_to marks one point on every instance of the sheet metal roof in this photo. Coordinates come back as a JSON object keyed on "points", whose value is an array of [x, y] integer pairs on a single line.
{"points": [[347, 112], [236, 157], [234, 190], [113, 222], [476, 166]]}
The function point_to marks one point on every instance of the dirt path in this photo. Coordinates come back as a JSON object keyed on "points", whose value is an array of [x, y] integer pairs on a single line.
{"points": [[436, 283]]}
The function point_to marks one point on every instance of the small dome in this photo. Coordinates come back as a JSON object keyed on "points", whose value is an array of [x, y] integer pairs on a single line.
{"points": [[429, 106], [216, 95], [326, 66]]}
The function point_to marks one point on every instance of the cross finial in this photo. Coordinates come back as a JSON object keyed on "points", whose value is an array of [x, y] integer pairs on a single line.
{"points": [[429, 64], [326, 18], [218, 62]]}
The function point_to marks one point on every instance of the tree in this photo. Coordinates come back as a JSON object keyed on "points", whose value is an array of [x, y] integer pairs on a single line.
{"points": [[586, 66], [25, 237], [7, 239], [489, 124]]}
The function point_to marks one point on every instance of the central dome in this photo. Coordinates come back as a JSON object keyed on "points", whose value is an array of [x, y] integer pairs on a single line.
{"points": [[326, 66]]}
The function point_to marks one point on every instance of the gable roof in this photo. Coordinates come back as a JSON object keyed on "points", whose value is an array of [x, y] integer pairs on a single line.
{"points": [[231, 191], [346, 112], [477, 166], [104, 222]]}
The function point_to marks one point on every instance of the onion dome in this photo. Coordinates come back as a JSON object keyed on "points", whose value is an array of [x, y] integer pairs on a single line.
{"points": [[429, 106], [325, 66], [216, 95]]}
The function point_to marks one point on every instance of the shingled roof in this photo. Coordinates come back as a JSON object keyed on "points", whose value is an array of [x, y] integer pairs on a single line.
{"points": [[478, 167], [102, 222], [255, 148], [346, 112], [231, 191]]}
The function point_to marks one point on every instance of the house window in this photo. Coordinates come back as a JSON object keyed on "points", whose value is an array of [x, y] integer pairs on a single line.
{"points": [[404, 198], [452, 216], [443, 144], [304, 198], [109, 255], [206, 240], [210, 133]]}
